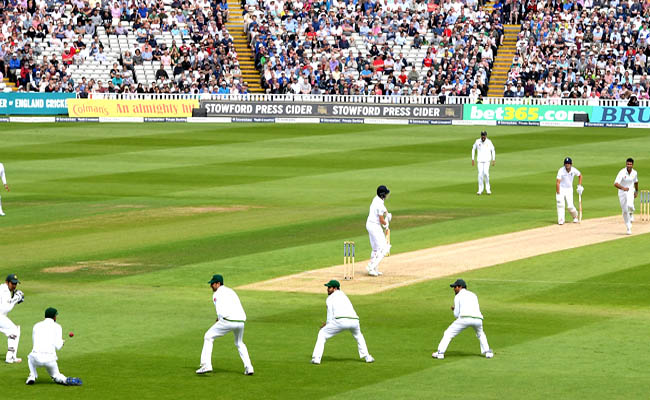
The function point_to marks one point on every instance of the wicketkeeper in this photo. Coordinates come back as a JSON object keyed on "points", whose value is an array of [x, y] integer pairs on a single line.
{"points": [[9, 297]]}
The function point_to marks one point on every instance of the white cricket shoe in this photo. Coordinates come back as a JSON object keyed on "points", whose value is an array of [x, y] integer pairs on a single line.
{"points": [[315, 361], [14, 360], [248, 371], [560, 222], [2, 214], [203, 370], [369, 359], [438, 355], [373, 273], [379, 273], [629, 230], [489, 354], [478, 193], [488, 192], [575, 220], [30, 380]]}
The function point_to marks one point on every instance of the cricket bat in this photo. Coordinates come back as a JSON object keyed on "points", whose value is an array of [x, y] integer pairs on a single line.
{"points": [[388, 240], [580, 207]]}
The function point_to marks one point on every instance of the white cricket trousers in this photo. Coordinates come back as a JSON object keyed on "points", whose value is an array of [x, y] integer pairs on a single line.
{"points": [[48, 361], [332, 329], [627, 205], [566, 194], [12, 331], [220, 329], [460, 325], [378, 243], [483, 176]]}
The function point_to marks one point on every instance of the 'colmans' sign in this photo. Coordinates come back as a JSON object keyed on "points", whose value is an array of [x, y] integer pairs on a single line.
{"points": [[621, 115]]}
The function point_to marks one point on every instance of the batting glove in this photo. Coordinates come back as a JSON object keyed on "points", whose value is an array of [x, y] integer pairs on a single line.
{"points": [[580, 189]]}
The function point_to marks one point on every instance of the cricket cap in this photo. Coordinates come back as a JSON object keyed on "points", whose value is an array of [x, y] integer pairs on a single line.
{"points": [[568, 160], [333, 283], [459, 282], [216, 278], [13, 278], [51, 312]]}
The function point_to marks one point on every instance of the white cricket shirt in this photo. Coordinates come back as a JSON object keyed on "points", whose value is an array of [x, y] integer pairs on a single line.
{"points": [[484, 150], [339, 306], [626, 180], [6, 303], [47, 337], [377, 208], [566, 178], [466, 305], [228, 305], [2, 174]]}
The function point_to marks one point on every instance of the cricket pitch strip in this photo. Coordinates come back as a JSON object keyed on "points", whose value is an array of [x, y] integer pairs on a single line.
{"points": [[453, 259]]}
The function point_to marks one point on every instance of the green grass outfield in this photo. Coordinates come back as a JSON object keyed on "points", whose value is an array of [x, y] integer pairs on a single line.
{"points": [[147, 213]]}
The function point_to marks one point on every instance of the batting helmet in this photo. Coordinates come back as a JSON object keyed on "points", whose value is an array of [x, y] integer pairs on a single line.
{"points": [[483, 133], [568, 160], [382, 191]]}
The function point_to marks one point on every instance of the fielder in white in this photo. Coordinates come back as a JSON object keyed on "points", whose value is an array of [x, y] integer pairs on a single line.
{"points": [[626, 180], [48, 338], [485, 154], [340, 317], [468, 314], [230, 317], [4, 182], [564, 190], [374, 224], [9, 297]]}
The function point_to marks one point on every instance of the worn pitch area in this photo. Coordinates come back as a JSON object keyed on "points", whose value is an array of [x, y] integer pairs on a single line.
{"points": [[453, 259]]}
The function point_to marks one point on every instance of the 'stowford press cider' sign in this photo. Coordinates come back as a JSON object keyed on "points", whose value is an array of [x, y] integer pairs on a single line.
{"points": [[324, 110]]}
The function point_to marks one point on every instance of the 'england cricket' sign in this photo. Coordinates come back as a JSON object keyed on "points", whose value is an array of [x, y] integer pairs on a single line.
{"points": [[321, 110]]}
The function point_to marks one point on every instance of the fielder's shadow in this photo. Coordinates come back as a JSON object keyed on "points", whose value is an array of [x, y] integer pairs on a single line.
{"points": [[215, 372], [341, 360]]}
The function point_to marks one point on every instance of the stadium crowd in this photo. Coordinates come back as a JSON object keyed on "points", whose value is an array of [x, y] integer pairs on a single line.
{"points": [[42, 41], [392, 47], [582, 49], [566, 48]]}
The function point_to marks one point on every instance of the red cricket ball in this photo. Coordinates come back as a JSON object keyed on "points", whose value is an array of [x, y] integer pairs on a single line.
{"points": [[71, 334]]}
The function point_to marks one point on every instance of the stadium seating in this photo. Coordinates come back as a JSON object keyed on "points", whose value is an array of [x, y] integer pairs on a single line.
{"points": [[598, 51]]}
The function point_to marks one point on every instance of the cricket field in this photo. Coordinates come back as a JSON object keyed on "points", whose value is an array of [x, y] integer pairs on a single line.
{"points": [[120, 227]]}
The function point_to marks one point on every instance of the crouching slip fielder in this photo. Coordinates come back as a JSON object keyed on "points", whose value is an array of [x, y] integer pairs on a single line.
{"points": [[9, 297], [48, 338], [626, 180], [374, 225], [340, 317], [230, 317], [484, 154], [467, 313], [564, 190]]}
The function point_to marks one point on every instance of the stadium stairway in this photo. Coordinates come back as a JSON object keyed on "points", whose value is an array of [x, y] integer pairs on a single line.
{"points": [[8, 85], [503, 61], [235, 26]]}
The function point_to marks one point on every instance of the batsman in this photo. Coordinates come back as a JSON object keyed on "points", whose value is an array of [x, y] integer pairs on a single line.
{"points": [[378, 218], [564, 190]]}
